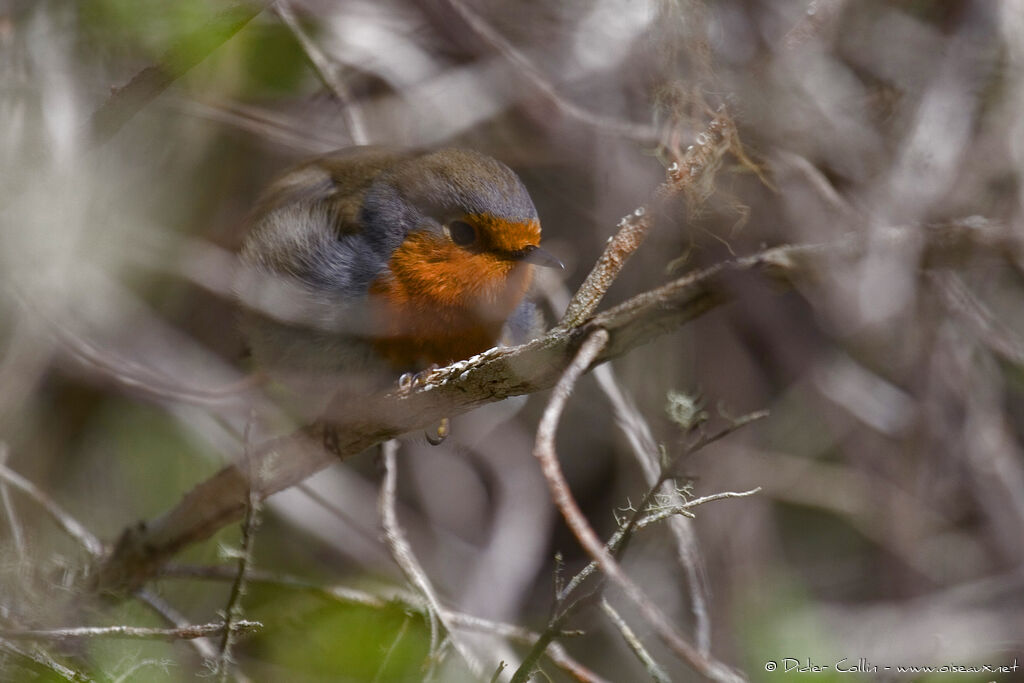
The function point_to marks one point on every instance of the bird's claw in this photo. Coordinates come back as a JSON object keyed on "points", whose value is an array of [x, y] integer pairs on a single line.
{"points": [[440, 434]]}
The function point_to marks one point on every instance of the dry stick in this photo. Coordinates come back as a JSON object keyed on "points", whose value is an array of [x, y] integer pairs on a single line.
{"points": [[202, 646], [131, 632], [684, 509], [644, 134], [544, 451], [645, 450], [44, 660], [401, 551], [12, 517], [996, 335], [127, 101], [327, 70], [654, 670], [71, 526], [691, 175], [249, 526]]}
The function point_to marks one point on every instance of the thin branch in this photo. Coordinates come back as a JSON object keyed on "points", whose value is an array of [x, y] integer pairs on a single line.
{"points": [[544, 451], [692, 175], [391, 650], [203, 646], [45, 661], [643, 134], [348, 595], [654, 670], [69, 524], [131, 673], [12, 516], [132, 632], [684, 509], [402, 552], [327, 70], [645, 450], [993, 333], [144, 87], [233, 610]]}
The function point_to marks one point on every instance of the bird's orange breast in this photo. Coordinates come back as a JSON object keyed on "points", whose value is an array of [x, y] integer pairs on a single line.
{"points": [[438, 302]]}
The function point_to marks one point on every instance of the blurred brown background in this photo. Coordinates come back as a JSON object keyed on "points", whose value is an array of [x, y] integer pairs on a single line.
{"points": [[890, 521]]}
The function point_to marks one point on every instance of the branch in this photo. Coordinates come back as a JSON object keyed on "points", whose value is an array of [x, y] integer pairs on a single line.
{"points": [[350, 428], [544, 451], [71, 526], [692, 175], [41, 659], [145, 86], [463, 20], [131, 632], [12, 516], [411, 603], [328, 72], [402, 553], [233, 610], [654, 670]]}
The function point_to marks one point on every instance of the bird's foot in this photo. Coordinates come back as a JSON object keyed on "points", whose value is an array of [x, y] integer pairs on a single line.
{"points": [[440, 434]]}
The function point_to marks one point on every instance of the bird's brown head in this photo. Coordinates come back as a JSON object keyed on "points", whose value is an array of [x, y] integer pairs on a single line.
{"points": [[466, 237]]}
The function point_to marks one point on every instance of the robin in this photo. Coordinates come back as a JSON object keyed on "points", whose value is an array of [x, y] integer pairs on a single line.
{"points": [[372, 262]]}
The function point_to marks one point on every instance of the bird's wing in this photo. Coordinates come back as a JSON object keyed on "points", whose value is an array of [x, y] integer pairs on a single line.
{"points": [[336, 182]]}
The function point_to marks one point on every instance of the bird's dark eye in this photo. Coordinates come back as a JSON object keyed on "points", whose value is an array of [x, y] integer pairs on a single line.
{"points": [[462, 233]]}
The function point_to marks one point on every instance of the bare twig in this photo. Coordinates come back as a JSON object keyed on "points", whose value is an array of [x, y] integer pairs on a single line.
{"points": [[12, 516], [327, 70], [45, 661], [692, 175], [645, 450], [203, 646], [644, 134], [409, 601], [233, 610], [410, 566], [684, 509], [990, 330], [127, 101], [654, 670], [545, 453], [69, 524], [131, 673], [131, 632]]}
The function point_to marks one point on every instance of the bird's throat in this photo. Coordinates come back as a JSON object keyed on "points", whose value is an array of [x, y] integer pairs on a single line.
{"points": [[437, 303]]}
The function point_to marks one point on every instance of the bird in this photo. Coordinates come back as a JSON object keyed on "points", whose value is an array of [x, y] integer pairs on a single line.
{"points": [[370, 262]]}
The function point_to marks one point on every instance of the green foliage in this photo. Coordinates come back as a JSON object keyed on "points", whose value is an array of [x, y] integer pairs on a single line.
{"points": [[314, 640]]}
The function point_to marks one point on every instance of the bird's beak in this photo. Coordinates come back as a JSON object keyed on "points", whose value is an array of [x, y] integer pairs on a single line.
{"points": [[540, 257]]}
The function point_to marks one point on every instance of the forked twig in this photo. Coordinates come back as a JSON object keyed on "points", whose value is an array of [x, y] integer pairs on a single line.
{"points": [[71, 526], [544, 451]]}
